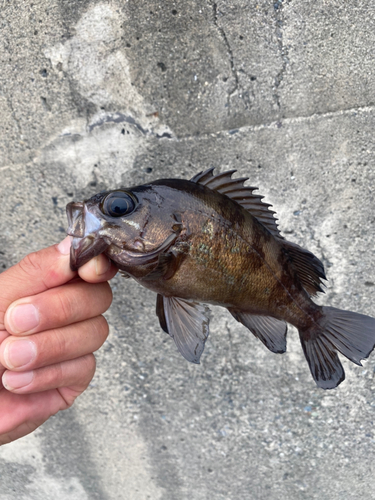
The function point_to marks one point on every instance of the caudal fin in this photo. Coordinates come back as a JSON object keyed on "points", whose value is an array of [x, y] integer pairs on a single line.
{"points": [[352, 334]]}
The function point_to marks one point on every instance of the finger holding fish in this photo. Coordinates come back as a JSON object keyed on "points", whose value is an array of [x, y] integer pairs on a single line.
{"points": [[47, 361], [98, 270]]}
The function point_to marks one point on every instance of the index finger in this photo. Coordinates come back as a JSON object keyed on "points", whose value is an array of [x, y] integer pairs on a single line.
{"points": [[34, 274]]}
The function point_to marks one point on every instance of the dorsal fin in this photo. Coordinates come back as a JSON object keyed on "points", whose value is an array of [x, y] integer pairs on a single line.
{"points": [[243, 195], [309, 268]]}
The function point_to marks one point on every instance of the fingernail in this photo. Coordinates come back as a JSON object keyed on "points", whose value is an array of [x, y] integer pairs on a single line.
{"points": [[102, 264], [64, 246], [19, 353], [22, 318], [16, 380]]}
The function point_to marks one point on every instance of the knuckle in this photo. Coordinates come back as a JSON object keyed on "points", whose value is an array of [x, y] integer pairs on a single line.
{"points": [[59, 343], [66, 306], [31, 264], [58, 373]]}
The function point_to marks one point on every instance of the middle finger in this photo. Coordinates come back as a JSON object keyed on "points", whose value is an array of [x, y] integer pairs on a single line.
{"points": [[47, 348], [57, 307]]}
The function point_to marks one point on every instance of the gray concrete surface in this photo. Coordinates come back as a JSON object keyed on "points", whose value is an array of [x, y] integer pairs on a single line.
{"points": [[94, 94]]}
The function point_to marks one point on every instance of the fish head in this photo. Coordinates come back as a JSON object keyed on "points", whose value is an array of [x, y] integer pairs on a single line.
{"points": [[131, 226]]}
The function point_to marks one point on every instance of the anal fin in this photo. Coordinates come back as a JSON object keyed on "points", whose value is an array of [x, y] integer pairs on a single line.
{"points": [[186, 322], [271, 331]]}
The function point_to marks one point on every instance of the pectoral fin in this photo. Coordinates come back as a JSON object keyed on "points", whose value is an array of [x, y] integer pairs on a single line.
{"points": [[271, 331], [160, 312], [186, 322], [167, 266]]}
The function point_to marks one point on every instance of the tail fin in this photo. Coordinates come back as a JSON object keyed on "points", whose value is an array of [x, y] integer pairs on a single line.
{"points": [[352, 334]]}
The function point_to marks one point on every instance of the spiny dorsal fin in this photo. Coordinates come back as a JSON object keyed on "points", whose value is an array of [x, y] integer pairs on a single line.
{"points": [[202, 176], [243, 195]]}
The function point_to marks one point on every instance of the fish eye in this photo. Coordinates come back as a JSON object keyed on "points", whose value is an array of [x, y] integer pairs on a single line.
{"points": [[118, 204]]}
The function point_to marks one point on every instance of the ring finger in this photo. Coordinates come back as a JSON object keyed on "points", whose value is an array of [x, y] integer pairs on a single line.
{"points": [[73, 375]]}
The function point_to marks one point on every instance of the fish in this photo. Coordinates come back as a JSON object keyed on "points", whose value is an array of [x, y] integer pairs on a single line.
{"points": [[211, 240]]}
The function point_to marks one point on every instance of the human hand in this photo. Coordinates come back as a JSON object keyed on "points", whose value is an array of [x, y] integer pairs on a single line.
{"points": [[50, 324]]}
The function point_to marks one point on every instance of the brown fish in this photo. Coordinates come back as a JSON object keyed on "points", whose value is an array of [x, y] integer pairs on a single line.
{"points": [[211, 240]]}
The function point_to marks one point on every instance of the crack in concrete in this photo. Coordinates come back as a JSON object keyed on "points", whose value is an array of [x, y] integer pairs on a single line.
{"points": [[253, 128], [285, 121], [282, 50], [121, 118], [229, 49], [117, 118]]}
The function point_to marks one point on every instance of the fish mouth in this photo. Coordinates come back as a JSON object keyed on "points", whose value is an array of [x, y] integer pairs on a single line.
{"points": [[84, 249], [83, 230]]}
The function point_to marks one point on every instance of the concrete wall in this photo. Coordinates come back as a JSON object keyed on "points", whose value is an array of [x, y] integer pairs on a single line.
{"points": [[95, 94]]}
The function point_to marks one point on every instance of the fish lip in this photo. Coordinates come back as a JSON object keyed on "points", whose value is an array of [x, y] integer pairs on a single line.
{"points": [[81, 222], [83, 230], [84, 249], [76, 220]]}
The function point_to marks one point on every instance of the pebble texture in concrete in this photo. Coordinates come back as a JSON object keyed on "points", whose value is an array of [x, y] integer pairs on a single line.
{"points": [[95, 95]]}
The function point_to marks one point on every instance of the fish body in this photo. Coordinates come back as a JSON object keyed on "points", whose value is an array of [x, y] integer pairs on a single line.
{"points": [[211, 240], [227, 258]]}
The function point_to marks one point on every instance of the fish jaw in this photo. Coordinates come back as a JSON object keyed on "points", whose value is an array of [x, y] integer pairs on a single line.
{"points": [[84, 231], [84, 249]]}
